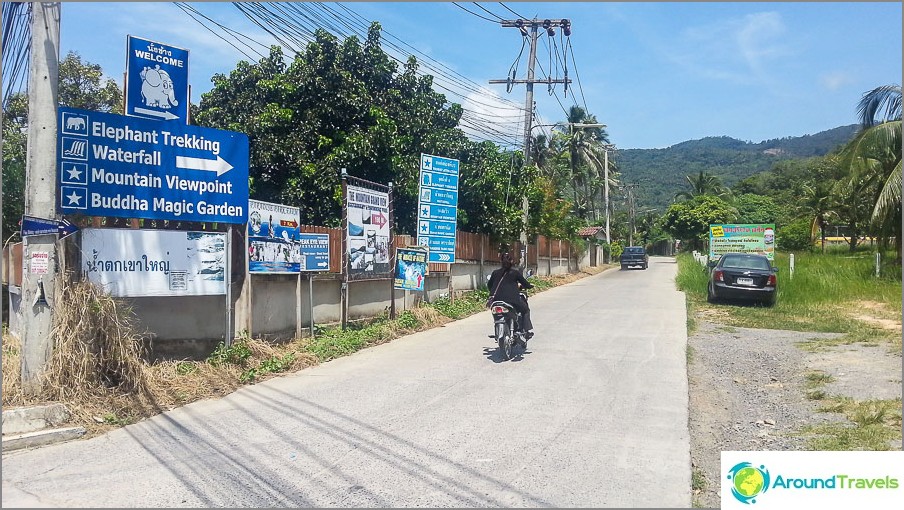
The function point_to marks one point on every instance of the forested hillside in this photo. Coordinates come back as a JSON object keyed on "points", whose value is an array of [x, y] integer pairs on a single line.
{"points": [[660, 173]]}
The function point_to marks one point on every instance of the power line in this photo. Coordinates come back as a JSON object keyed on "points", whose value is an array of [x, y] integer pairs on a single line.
{"points": [[474, 13], [577, 74], [511, 11], [491, 13]]}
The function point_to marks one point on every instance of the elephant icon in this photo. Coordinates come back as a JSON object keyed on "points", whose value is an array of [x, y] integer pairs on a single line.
{"points": [[157, 88], [75, 123]]}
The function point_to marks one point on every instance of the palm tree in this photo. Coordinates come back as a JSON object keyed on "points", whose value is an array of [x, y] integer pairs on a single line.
{"points": [[704, 184], [818, 201], [875, 156], [583, 149]]}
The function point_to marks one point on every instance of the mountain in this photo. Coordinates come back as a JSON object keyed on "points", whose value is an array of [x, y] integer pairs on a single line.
{"points": [[661, 173]]}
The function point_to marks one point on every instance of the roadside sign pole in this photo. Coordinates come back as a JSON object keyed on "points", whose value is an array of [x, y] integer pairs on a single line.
{"points": [[311, 300], [227, 277], [392, 260], [298, 306]]}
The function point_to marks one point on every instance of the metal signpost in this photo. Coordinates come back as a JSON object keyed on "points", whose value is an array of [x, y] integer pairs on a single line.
{"points": [[315, 257], [113, 165], [437, 215], [156, 80]]}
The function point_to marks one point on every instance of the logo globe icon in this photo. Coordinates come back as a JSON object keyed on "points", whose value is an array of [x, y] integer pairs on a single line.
{"points": [[748, 481]]}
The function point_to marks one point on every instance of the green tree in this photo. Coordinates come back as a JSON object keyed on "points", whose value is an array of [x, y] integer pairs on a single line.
{"points": [[690, 220], [757, 209], [875, 156], [703, 184], [82, 85]]}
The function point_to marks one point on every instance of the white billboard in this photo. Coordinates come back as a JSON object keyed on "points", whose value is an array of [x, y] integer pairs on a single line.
{"points": [[138, 263], [368, 231]]}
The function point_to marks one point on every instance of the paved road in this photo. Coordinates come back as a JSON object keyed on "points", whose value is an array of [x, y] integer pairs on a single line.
{"points": [[594, 414]]}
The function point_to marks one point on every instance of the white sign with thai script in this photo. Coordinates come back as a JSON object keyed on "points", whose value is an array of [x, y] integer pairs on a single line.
{"points": [[136, 263]]}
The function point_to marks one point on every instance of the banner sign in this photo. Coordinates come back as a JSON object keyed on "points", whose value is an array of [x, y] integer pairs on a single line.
{"points": [[438, 207], [411, 268], [742, 238], [137, 263], [156, 80], [113, 165], [273, 238], [315, 252], [368, 231]]}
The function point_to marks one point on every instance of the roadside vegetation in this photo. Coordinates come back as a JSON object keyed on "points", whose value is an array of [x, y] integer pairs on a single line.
{"points": [[101, 372], [835, 292]]}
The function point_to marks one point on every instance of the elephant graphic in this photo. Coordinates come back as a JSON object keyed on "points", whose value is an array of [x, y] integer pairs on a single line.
{"points": [[75, 123], [157, 88]]}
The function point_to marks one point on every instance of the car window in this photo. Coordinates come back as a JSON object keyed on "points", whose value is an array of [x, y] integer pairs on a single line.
{"points": [[634, 250], [745, 262]]}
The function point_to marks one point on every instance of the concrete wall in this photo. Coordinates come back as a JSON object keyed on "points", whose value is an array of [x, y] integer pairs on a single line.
{"points": [[269, 306]]}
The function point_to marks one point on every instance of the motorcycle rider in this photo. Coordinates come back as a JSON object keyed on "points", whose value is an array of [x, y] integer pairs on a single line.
{"points": [[507, 283]]}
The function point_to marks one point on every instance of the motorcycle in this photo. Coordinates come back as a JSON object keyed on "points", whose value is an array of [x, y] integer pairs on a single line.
{"points": [[507, 327]]}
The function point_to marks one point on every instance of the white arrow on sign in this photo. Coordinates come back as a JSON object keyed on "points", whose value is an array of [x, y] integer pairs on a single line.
{"points": [[219, 165], [163, 115], [322, 264], [444, 257]]}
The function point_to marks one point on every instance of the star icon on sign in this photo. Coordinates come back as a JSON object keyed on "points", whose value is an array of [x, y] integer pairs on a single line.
{"points": [[75, 174], [74, 198]]}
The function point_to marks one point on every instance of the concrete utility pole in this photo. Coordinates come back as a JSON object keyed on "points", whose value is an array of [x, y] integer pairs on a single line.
{"points": [[39, 256], [534, 25]]}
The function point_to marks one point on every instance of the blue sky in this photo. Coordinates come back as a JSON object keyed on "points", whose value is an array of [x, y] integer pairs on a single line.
{"points": [[656, 74]]}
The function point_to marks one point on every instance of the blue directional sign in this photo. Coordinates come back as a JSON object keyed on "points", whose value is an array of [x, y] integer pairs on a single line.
{"points": [[156, 80], [438, 207], [315, 252], [113, 165]]}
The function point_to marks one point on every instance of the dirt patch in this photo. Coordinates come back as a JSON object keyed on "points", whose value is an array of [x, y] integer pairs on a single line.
{"points": [[748, 391], [877, 314]]}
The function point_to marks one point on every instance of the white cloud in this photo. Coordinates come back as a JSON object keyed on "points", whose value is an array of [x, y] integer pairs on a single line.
{"points": [[835, 80]]}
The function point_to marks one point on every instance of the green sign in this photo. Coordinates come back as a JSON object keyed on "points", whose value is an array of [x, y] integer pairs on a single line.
{"points": [[742, 238]]}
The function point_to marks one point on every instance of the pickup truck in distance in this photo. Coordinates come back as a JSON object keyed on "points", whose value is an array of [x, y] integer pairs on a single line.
{"points": [[634, 256]]}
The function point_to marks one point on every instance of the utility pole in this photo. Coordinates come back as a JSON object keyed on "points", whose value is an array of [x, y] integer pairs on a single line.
{"points": [[629, 188], [534, 24], [40, 252]]}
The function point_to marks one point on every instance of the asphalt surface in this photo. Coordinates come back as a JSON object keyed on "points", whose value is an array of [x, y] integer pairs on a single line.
{"points": [[593, 414]]}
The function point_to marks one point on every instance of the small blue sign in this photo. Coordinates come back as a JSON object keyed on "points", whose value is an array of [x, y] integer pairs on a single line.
{"points": [[438, 207], [157, 80], [315, 252], [438, 212], [439, 181], [32, 226], [113, 165]]}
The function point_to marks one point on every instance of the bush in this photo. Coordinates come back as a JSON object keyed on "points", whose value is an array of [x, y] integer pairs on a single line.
{"points": [[794, 236]]}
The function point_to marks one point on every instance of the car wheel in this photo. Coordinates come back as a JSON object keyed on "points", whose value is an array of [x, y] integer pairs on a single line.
{"points": [[624, 267], [710, 297]]}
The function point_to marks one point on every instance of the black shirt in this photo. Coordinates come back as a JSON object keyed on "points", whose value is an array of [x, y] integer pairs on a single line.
{"points": [[508, 288]]}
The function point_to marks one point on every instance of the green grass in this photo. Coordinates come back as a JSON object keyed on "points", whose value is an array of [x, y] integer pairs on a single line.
{"points": [[824, 293], [817, 379], [873, 425]]}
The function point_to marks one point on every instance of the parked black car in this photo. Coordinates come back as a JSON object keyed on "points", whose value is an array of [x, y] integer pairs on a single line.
{"points": [[743, 276], [634, 256]]}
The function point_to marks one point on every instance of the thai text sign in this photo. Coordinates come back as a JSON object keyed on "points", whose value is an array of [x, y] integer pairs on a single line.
{"points": [[742, 238], [411, 268], [273, 238], [437, 207], [113, 165], [368, 231], [157, 80], [135, 263]]}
